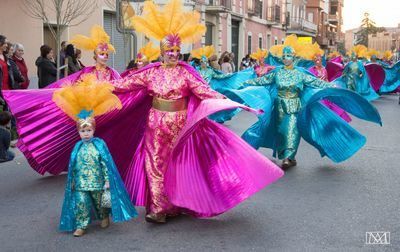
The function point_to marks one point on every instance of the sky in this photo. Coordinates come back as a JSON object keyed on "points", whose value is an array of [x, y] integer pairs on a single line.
{"points": [[383, 12]]}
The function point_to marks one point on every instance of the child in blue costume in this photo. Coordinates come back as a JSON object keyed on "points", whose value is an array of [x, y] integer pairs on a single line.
{"points": [[93, 180]]}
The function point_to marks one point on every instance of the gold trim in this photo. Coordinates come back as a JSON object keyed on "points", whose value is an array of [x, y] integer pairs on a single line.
{"points": [[170, 105]]}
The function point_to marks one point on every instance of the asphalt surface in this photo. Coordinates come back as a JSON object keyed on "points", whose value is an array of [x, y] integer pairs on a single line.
{"points": [[317, 206]]}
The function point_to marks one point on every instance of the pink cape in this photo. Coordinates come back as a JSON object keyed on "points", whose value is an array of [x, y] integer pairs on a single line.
{"points": [[210, 170], [332, 106]]}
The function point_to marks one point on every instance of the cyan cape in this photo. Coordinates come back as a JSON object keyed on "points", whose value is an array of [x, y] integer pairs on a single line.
{"points": [[231, 82], [121, 209], [392, 77], [317, 124], [362, 85]]}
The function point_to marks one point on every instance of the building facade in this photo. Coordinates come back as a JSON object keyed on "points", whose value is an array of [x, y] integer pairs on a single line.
{"points": [[238, 26], [387, 40]]}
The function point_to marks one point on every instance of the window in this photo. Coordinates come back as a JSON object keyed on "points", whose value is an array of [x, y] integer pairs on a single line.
{"points": [[311, 17], [209, 33], [268, 41], [260, 42], [248, 44], [275, 41], [282, 41]]}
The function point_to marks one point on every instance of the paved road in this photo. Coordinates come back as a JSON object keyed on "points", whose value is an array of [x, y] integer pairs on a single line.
{"points": [[318, 206]]}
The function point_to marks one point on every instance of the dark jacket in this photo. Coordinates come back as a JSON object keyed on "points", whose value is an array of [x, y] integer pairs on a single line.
{"points": [[24, 71], [5, 139], [12, 72], [16, 77], [73, 67], [47, 71]]}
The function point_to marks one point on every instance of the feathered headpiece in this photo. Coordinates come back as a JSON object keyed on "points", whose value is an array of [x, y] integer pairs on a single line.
{"points": [[203, 53], [170, 25], [148, 53], [372, 52], [98, 41], [86, 99], [360, 51], [334, 54], [260, 55], [302, 50], [387, 55]]}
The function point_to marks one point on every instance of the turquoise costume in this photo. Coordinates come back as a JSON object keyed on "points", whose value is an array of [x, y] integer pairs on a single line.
{"points": [[291, 100], [356, 79], [289, 85], [221, 82], [392, 77], [91, 165]]}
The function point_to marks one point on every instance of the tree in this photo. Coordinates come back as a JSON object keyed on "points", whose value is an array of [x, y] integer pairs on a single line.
{"points": [[65, 13], [367, 27]]}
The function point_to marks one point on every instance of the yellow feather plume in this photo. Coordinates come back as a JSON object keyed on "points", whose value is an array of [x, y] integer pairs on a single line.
{"points": [[333, 54], [372, 52], [206, 51], [158, 23], [86, 94], [260, 55], [387, 55], [150, 52], [360, 51], [302, 50], [97, 36], [277, 50]]}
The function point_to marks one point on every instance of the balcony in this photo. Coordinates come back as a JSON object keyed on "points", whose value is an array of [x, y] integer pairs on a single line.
{"points": [[254, 7], [331, 35], [217, 6], [301, 26], [316, 4], [333, 17], [274, 14]]}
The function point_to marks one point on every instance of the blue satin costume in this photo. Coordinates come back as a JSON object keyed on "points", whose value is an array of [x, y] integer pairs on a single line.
{"points": [[91, 165], [392, 77], [356, 79], [291, 100]]}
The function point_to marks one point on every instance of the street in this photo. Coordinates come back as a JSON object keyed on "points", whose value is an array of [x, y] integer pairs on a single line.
{"points": [[316, 206]]}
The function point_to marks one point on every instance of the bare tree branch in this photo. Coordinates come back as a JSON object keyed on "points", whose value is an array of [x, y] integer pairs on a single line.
{"points": [[66, 13]]}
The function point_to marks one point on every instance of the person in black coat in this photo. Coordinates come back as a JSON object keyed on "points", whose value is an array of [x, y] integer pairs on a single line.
{"points": [[47, 69]]}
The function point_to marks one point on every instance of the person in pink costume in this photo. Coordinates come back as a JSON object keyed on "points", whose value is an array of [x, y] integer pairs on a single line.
{"points": [[319, 71]]}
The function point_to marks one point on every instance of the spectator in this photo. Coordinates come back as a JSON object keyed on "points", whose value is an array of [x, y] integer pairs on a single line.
{"points": [[221, 59], [62, 52], [226, 66], [78, 56], [4, 65], [19, 60], [16, 77], [70, 56], [5, 137], [232, 61], [214, 62], [245, 62], [47, 70]]}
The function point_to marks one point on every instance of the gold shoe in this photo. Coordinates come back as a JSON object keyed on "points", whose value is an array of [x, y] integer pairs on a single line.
{"points": [[156, 218], [79, 232], [287, 163], [105, 223]]}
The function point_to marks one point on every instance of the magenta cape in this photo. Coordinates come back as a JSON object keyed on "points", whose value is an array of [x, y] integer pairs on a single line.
{"points": [[74, 77], [332, 106], [210, 169]]}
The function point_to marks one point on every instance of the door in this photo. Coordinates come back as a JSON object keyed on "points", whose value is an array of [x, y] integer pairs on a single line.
{"points": [[235, 41]]}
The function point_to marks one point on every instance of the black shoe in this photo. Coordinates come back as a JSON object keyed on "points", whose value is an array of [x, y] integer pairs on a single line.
{"points": [[287, 163]]}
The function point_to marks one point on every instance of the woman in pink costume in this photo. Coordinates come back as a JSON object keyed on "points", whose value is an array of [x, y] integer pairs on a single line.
{"points": [[99, 44], [172, 158], [261, 68], [319, 71]]}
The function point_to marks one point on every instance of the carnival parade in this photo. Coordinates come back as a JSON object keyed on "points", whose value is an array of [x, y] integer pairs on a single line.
{"points": [[145, 133]]}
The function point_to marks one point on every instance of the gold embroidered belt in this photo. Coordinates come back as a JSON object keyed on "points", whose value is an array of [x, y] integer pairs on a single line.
{"points": [[170, 105]]}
